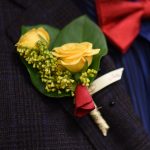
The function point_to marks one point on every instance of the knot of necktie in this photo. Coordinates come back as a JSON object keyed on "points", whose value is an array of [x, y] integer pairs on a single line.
{"points": [[120, 20]]}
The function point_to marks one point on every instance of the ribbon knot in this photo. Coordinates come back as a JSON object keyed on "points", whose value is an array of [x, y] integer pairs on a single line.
{"points": [[120, 20]]}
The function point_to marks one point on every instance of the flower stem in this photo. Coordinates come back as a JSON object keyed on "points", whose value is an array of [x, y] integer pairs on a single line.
{"points": [[99, 120]]}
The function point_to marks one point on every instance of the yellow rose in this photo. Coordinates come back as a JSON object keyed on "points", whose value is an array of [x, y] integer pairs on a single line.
{"points": [[73, 56], [30, 38]]}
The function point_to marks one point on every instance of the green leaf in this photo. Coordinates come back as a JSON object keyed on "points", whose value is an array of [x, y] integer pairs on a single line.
{"points": [[80, 30], [85, 67], [34, 75]]}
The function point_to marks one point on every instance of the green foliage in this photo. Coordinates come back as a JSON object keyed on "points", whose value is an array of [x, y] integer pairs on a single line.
{"points": [[80, 30]]}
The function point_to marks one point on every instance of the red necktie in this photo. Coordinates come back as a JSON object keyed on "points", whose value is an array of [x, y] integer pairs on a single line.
{"points": [[120, 20]]}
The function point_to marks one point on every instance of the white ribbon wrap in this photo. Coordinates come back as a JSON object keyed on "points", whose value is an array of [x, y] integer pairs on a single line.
{"points": [[105, 80], [96, 86]]}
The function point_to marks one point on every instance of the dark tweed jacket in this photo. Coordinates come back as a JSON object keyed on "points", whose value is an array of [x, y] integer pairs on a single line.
{"points": [[31, 121]]}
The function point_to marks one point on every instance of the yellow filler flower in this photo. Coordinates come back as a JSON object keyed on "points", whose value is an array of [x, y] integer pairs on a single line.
{"points": [[73, 56]]}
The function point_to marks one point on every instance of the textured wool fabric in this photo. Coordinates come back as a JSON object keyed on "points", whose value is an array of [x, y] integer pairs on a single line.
{"points": [[31, 121], [136, 63]]}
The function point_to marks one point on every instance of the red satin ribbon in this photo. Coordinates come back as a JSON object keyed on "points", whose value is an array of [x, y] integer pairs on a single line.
{"points": [[120, 20], [83, 101]]}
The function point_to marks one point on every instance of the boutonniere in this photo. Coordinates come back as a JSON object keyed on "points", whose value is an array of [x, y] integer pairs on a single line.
{"points": [[65, 63]]}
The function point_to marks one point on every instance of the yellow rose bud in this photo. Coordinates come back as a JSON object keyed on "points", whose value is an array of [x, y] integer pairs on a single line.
{"points": [[73, 56], [30, 38]]}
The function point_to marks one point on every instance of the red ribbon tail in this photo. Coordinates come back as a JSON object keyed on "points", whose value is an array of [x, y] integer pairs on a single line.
{"points": [[83, 101]]}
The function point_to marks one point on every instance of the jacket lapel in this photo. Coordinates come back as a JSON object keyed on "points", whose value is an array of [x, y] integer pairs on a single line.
{"points": [[43, 13], [25, 4]]}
